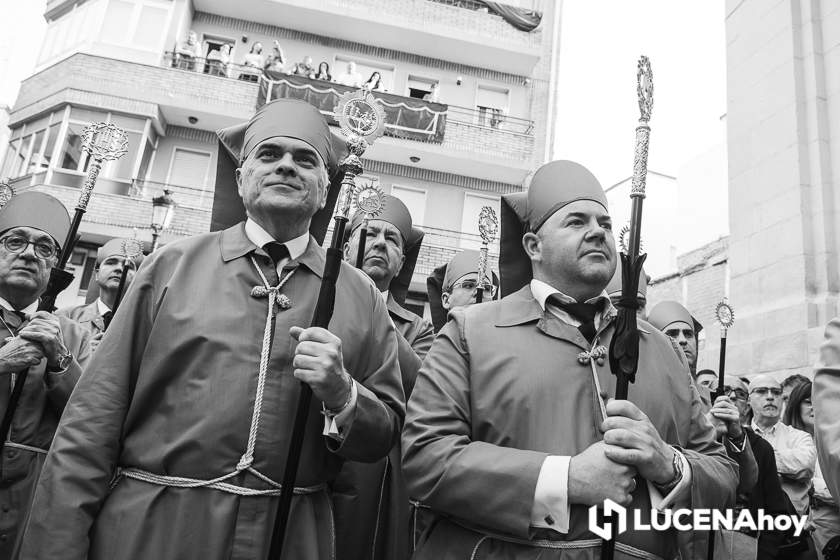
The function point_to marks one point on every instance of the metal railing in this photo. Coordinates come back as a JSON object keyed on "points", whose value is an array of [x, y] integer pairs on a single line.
{"points": [[193, 197]]}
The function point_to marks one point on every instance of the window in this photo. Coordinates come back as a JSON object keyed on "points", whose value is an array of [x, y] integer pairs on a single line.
{"points": [[492, 104], [71, 29], [136, 23], [420, 87], [473, 203], [189, 168], [32, 146], [414, 200]]}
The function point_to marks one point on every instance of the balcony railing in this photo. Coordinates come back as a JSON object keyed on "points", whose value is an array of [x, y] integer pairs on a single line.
{"points": [[192, 197]]}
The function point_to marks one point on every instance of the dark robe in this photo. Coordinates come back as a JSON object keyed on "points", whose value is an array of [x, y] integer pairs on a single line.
{"points": [[42, 402], [372, 509], [500, 390], [171, 391]]}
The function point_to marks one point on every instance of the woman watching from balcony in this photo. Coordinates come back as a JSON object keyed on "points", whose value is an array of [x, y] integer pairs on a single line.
{"points": [[324, 72], [217, 61], [374, 83], [275, 64], [252, 63]]}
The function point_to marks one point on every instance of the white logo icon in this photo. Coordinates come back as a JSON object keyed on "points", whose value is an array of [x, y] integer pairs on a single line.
{"points": [[610, 508]]}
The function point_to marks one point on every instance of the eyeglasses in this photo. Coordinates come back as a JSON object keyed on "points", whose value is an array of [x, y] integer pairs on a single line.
{"points": [[472, 285], [733, 392], [764, 390], [18, 244]]}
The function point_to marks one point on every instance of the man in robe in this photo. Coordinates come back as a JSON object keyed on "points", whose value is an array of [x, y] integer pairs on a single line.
{"points": [[795, 452], [96, 315], [174, 443], [455, 284], [675, 321], [509, 437], [54, 349], [372, 510]]}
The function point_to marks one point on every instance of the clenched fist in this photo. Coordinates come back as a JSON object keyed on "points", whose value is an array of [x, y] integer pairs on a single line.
{"points": [[594, 477], [319, 363]]}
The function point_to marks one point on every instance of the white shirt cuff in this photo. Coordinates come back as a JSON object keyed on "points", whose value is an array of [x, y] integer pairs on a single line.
{"points": [[682, 488], [336, 425], [551, 496]]}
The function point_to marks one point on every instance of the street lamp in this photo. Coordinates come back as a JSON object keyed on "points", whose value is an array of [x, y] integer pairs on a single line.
{"points": [[163, 209]]}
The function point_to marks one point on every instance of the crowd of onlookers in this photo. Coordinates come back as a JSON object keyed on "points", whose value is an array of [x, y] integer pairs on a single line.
{"points": [[274, 64]]}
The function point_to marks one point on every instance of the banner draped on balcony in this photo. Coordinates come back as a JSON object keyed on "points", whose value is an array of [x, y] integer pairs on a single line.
{"points": [[406, 117], [520, 18]]}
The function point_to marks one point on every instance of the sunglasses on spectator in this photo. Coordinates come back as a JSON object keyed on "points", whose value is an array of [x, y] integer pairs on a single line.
{"points": [[734, 392], [764, 390]]}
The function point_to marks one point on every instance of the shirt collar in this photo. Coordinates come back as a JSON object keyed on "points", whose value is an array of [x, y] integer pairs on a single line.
{"points": [[385, 295], [100, 305], [28, 310], [259, 237], [543, 291], [759, 430]]}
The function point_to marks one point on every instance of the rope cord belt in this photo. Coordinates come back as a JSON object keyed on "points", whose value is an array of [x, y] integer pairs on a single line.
{"points": [[245, 463]]}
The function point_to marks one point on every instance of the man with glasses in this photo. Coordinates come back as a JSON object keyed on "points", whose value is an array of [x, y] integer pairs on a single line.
{"points": [[455, 284], [110, 259], [54, 349], [794, 449], [372, 510]]}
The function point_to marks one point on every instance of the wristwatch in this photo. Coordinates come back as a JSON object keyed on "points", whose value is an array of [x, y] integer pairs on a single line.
{"points": [[667, 487], [63, 362]]}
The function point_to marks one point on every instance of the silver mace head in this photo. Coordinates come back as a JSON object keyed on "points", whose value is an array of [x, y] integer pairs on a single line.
{"points": [[104, 141]]}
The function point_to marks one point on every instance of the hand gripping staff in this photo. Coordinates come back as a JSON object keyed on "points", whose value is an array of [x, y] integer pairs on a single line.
{"points": [[103, 142], [362, 120], [488, 225], [725, 316], [624, 347]]}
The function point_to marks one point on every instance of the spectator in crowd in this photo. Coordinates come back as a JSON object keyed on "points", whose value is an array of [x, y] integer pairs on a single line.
{"points": [[217, 61], [674, 320], [305, 68], [275, 63], [374, 83], [794, 449], [323, 72], [252, 63], [789, 384], [824, 513], [434, 94], [351, 77], [707, 378], [186, 52]]}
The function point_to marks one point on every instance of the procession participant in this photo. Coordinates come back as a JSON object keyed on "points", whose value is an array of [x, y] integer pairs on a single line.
{"points": [[707, 378], [110, 259], [55, 349], [173, 444], [455, 284], [371, 502], [614, 289], [674, 320], [826, 398], [510, 398], [794, 449]]}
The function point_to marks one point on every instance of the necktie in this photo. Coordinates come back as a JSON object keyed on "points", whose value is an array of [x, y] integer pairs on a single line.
{"points": [[277, 251], [583, 312], [106, 318]]}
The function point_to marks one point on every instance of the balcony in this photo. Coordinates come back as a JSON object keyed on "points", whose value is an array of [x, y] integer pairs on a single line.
{"points": [[456, 30]]}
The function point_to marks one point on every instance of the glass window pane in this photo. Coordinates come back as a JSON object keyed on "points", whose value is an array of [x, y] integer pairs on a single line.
{"points": [[145, 159], [152, 20], [35, 159], [122, 168], [117, 19], [46, 157], [12, 162], [71, 151]]}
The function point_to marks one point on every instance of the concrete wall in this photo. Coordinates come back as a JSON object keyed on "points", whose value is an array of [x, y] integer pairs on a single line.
{"points": [[783, 111]]}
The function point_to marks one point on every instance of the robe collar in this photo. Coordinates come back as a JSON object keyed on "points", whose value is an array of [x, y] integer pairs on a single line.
{"points": [[396, 309], [234, 244]]}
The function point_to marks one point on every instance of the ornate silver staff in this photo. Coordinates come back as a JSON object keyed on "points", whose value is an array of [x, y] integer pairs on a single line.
{"points": [[370, 200], [104, 142], [362, 120], [624, 346], [488, 226], [131, 249], [6, 194]]}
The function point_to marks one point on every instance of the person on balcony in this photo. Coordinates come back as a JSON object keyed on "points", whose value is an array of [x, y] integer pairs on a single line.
{"points": [[323, 72], [374, 83], [275, 63], [218, 60], [175, 441], [372, 510], [186, 52], [351, 77], [305, 68], [54, 348], [95, 316], [434, 94], [253, 63]]}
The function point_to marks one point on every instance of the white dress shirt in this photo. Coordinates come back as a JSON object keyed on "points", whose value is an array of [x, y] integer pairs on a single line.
{"points": [[28, 310], [335, 425], [796, 457], [551, 497]]}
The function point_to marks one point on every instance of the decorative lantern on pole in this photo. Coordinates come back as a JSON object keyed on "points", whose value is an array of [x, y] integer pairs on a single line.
{"points": [[163, 210]]}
